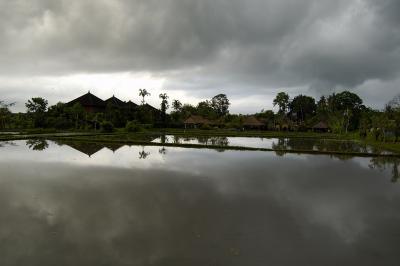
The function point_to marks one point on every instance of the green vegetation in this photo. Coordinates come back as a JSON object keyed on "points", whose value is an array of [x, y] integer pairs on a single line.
{"points": [[338, 116]]}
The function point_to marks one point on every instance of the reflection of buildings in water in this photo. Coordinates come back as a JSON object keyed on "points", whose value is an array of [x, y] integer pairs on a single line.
{"points": [[90, 148], [114, 146], [87, 148], [37, 144]]}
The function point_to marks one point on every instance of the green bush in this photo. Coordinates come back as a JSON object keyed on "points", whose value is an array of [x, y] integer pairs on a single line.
{"points": [[132, 126], [205, 127], [107, 126]]}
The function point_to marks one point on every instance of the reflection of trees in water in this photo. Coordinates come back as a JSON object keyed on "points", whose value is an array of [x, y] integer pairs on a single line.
{"points": [[176, 139], [214, 141], [280, 146], [143, 154], [342, 146], [304, 144], [37, 144], [204, 140], [9, 143], [163, 151], [301, 144], [164, 139], [382, 163]]}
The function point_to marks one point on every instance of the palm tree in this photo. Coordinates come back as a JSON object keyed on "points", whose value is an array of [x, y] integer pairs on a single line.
{"points": [[176, 105], [143, 93], [164, 105]]}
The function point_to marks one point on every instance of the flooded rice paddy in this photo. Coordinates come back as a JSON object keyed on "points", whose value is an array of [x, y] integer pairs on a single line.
{"points": [[305, 144], [74, 203]]}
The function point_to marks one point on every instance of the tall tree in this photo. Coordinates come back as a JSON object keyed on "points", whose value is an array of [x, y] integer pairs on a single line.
{"points": [[176, 105], [349, 105], [303, 106], [393, 111], [5, 113], [282, 100], [206, 109], [220, 104], [77, 112], [37, 108], [322, 105], [394, 104], [346, 100], [143, 93], [164, 106]]}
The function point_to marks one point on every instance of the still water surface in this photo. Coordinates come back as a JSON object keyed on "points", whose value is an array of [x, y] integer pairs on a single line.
{"points": [[118, 205], [303, 144]]}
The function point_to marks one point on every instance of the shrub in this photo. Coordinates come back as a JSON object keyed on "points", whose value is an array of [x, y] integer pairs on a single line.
{"points": [[107, 126], [205, 127], [132, 126]]}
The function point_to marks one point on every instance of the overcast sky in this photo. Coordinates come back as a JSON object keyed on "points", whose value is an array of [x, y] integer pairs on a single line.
{"points": [[194, 49]]}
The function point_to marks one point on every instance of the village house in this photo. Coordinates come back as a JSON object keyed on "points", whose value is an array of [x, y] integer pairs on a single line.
{"points": [[195, 121], [321, 127], [251, 122]]}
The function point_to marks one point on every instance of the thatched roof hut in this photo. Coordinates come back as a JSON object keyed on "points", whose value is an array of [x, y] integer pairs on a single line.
{"points": [[321, 126], [196, 120], [253, 122]]}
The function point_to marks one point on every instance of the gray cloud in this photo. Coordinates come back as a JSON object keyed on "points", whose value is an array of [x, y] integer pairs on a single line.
{"points": [[243, 47]]}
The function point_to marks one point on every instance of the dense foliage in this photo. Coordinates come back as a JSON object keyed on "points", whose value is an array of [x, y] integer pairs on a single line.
{"points": [[342, 113]]}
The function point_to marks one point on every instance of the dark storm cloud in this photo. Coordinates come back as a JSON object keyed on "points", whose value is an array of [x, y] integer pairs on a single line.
{"points": [[244, 46]]}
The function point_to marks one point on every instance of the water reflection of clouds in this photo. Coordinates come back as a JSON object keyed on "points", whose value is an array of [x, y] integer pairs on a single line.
{"points": [[199, 203]]}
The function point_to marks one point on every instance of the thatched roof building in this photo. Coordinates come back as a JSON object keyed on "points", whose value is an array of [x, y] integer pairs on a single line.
{"points": [[131, 105], [321, 126], [114, 101], [90, 102], [252, 122], [197, 120], [87, 148], [93, 104]]}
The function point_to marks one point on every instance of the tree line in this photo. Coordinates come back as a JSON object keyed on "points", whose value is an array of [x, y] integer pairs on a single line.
{"points": [[343, 112]]}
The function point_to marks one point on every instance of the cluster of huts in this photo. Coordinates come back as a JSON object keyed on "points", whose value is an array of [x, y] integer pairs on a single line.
{"points": [[93, 104], [252, 122]]}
